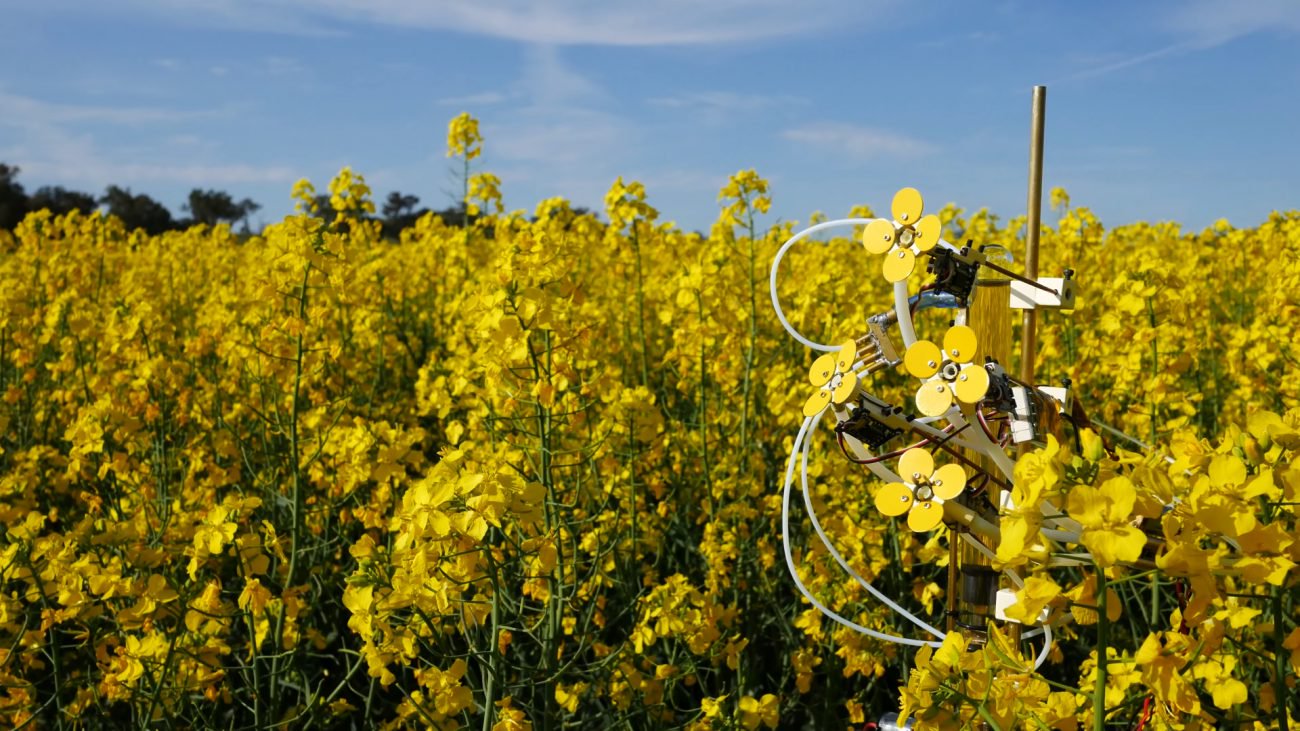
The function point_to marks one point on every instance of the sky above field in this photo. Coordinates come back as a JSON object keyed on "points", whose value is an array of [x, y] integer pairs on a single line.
{"points": [[1160, 110]]}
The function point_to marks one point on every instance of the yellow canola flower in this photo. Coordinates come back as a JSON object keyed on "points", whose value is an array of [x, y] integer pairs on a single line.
{"points": [[765, 711], [1036, 594], [463, 137], [1105, 513]]}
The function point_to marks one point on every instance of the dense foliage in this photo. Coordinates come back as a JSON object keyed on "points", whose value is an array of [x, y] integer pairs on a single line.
{"points": [[526, 474]]}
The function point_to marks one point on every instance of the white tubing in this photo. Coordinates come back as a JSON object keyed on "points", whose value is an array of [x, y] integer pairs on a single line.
{"points": [[1047, 647], [903, 310], [776, 264], [817, 526], [794, 572]]}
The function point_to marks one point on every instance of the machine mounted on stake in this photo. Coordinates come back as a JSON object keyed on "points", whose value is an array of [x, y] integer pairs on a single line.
{"points": [[945, 456]]}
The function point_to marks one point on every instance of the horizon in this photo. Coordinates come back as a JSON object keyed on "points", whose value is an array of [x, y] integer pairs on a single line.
{"points": [[1148, 115]]}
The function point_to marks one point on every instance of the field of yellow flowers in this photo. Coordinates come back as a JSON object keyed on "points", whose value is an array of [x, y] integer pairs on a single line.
{"points": [[526, 474]]}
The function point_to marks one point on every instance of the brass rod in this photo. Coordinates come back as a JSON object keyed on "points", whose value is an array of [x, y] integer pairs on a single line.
{"points": [[1029, 337], [1024, 280]]}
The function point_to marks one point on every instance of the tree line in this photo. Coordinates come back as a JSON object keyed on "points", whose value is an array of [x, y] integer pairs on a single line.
{"points": [[138, 210]]}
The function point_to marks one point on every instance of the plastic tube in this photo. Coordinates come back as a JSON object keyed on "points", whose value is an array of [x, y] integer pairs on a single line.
{"points": [[794, 572], [903, 309], [1047, 647], [776, 265], [817, 526]]}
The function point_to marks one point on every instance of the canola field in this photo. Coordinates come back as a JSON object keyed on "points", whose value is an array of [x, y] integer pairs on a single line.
{"points": [[526, 473]]}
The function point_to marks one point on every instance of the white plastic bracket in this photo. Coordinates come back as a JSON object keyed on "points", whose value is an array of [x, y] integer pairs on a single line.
{"points": [[1028, 297]]}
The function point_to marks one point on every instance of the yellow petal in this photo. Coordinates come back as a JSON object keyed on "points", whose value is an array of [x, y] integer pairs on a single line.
{"points": [[848, 353], [1227, 471], [894, 499], [924, 516], [928, 231], [908, 206], [915, 465], [949, 481], [898, 265], [848, 382], [879, 236], [822, 369], [959, 344], [922, 359], [933, 398], [815, 403], [972, 384]]}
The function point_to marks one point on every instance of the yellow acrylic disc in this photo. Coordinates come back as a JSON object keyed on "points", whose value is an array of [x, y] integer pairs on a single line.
{"points": [[879, 236], [933, 398], [925, 516], [928, 231], [915, 465], [959, 344], [847, 353], [922, 359], [899, 264], [971, 384], [815, 403], [907, 206], [948, 481], [847, 383], [894, 499], [822, 369]]}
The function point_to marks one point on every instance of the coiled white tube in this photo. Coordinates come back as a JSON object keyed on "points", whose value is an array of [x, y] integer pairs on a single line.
{"points": [[776, 265], [794, 571], [826, 541]]}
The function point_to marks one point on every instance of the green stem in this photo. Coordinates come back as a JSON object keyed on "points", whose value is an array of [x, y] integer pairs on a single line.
{"points": [[640, 307], [1279, 663], [1103, 625]]}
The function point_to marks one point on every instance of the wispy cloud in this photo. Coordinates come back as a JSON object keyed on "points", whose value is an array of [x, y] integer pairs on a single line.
{"points": [[1201, 25], [717, 107], [1210, 23], [50, 143], [481, 99], [1124, 62], [560, 22], [857, 141], [25, 111]]}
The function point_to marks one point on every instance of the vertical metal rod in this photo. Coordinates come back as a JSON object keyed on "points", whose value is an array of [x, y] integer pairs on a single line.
{"points": [[1029, 335]]}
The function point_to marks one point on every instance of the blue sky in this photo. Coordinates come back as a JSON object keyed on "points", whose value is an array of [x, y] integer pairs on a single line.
{"points": [[1158, 110]]}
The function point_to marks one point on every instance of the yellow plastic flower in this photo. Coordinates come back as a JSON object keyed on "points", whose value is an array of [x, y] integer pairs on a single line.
{"points": [[948, 372], [903, 240], [833, 375], [923, 490]]}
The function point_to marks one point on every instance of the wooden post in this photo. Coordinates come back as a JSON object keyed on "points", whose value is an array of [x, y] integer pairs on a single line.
{"points": [[1029, 335]]}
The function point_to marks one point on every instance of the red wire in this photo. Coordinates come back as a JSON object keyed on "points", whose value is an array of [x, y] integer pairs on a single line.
{"points": [[1146, 715]]}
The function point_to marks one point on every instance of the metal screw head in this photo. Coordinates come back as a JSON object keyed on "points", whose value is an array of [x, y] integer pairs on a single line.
{"points": [[932, 364]]}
